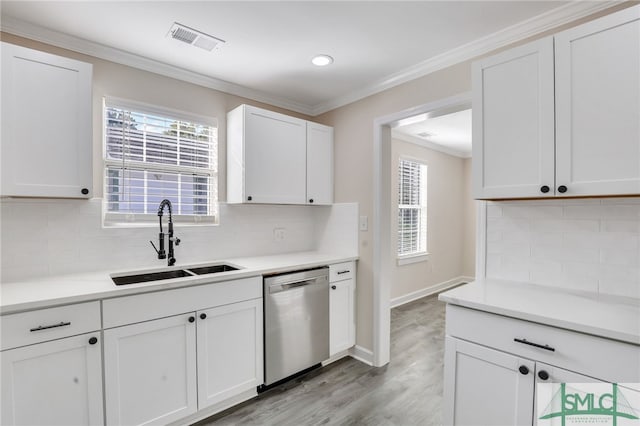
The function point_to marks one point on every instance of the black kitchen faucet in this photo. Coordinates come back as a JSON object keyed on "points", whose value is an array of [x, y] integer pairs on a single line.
{"points": [[171, 260]]}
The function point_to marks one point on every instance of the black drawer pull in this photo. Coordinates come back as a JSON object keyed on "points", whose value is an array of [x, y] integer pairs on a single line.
{"points": [[46, 327], [537, 345], [343, 272]]}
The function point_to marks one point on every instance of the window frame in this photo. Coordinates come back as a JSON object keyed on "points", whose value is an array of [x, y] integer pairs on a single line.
{"points": [[135, 220], [421, 254]]}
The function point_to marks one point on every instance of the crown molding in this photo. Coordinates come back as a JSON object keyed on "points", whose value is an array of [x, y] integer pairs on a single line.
{"points": [[570, 12], [34, 32], [429, 145], [546, 21]]}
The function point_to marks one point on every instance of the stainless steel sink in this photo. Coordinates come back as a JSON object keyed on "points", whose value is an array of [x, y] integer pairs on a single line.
{"points": [[176, 273]]}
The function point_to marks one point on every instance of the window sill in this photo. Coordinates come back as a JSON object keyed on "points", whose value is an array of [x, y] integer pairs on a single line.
{"points": [[413, 258], [114, 223]]}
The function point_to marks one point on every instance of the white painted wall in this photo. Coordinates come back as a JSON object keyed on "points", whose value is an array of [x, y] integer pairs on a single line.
{"points": [[43, 238], [583, 244], [447, 204]]}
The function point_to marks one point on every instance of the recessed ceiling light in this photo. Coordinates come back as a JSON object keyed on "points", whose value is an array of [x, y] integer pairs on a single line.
{"points": [[322, 60]]}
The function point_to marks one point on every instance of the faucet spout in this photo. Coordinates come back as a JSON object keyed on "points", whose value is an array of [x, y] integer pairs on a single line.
{"points": [[171, 260]]}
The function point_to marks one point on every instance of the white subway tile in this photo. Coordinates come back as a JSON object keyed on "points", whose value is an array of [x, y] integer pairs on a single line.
{"points": [[494, 210], [537, 212], [560, 254], [569, 225], [620, 226], [620, 257]]}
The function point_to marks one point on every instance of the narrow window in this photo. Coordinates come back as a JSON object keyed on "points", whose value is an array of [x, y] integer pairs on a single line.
{"points": [[412, 208], [151, 154]]}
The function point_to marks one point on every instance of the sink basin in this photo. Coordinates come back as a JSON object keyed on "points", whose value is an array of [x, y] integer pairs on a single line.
{"points": [[177, 273], [212, 269], [152, 276]]}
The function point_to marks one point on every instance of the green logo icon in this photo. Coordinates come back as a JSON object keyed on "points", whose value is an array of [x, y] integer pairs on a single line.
{"points": [[570, 402]]}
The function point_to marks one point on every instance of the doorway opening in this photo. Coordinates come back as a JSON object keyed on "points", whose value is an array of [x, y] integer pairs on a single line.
{"points": [[385, 235]]}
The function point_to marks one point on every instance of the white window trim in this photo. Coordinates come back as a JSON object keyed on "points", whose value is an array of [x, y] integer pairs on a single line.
{"points": [[419, 256], [407, 259], [149, 220]]}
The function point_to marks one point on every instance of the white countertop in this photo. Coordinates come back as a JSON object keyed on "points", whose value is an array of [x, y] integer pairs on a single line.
{"points": [[600, 315], [66, 289]]}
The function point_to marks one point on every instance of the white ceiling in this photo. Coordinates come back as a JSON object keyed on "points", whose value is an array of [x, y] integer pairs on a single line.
{"points": [[269, 44], [450, 133]]}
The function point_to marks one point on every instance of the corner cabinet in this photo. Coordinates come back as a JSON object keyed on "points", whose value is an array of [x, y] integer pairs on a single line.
{"points": [[494, 366], [559, 116], [46, 125], [273, 158]]}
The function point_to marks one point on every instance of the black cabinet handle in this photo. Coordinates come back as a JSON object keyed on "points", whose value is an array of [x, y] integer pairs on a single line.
{"points": [[192, 319], [343, 272], [249, 198], [543, 375], [333, 287], [311, 200], [84, 191], [93, 340], [46, 327], [544, 189], [562, 189], [523, 370], [537, 345], [203, 316]]}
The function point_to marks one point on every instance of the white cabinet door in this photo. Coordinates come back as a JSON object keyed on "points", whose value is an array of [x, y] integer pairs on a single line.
{"points": [[230, 358], [319, 164], [150, 371], [342, 326], [513, 123], [483, 386], [53, 383], [46, 125], [598, 106], [274, 157]]}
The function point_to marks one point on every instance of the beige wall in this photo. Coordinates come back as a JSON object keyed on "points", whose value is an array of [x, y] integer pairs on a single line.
{"points": [[469, 223], [447, 192], [111, 79]]}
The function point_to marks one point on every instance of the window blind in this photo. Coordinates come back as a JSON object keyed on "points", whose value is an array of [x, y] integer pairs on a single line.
{"points": [[412, 208], [153, 156]]}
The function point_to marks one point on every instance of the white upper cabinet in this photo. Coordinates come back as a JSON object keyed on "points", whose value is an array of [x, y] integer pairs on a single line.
{"points": [[593, 148], [46, 125], [513, 122], [273, 158], [319, 164], [598, 106]]}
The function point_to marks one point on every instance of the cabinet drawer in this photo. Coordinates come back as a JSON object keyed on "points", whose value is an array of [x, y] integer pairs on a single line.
{"points": [[31, 327], [144, 307], [342, 271], [604, 359]]}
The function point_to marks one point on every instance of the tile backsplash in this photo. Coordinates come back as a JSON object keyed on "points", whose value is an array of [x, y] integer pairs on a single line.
{"points": [[52, 237], [583, 244]]}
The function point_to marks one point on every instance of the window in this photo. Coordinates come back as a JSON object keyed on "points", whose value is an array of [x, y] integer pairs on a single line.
{"points": [[412, 208], [151, 154]]}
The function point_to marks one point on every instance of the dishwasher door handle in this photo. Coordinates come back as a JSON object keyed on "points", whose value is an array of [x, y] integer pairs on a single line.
{"points": [[277, 288]]}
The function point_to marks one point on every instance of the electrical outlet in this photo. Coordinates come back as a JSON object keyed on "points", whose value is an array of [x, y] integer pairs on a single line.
{"points": [[278, 234]]}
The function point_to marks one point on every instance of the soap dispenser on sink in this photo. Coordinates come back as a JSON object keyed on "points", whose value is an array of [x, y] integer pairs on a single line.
{"points": [[171, 260]]}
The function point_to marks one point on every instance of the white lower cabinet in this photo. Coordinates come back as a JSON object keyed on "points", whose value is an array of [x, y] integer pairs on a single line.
{"points": [[164, 370], [493, 365], [53, 383], [342, 295], [150, 371], [229, 351], [489, 387]]}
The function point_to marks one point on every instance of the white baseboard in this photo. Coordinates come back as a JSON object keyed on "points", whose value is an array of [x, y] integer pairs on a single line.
{"points": [[437, 288], [361, 354], [336, 357], [216, 408]]}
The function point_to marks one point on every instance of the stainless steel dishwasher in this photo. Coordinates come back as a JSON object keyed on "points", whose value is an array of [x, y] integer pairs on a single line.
{"points": [[296, 322]]}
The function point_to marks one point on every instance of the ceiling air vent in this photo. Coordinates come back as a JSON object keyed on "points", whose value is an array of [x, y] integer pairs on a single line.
{"points": [[193, 37]]}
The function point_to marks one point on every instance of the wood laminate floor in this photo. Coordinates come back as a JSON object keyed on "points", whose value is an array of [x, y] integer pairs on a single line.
{"points": [[407, 391]]}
